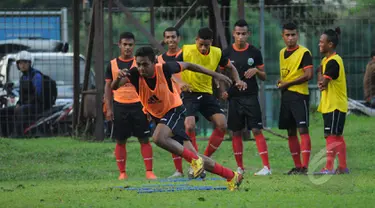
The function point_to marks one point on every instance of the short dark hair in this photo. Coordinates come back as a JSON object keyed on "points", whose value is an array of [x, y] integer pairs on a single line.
{"points": [[241, 23], [289, 26], [333, 36], [372, 53], [126, 35], [146, 51], [171, 29], [205, 33]]}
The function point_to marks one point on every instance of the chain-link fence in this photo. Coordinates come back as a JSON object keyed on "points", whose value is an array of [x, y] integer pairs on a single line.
{"points": [[48, 32]]}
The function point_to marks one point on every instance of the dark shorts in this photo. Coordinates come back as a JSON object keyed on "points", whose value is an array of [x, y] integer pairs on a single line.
{"points": [[204, 103], [244, 112], [129, 120], [294, 110], [334, 123], [175, 119]]}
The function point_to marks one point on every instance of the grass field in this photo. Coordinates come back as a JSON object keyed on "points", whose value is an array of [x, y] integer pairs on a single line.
{"points": [[62, 172]]}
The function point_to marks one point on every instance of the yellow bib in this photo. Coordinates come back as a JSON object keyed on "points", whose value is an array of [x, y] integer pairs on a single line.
{"points": [[289, 69], [200, 82], [334, 97]]}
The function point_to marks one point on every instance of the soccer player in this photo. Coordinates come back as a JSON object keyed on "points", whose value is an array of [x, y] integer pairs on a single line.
{"points": [[126, 113], [201, 98], [244, 109], [334, 101], [296, 70], [172, 39], [160, 98], [369, 82]]}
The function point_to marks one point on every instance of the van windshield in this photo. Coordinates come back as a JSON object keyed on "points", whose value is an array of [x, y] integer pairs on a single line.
{"points": [[59, 68]]}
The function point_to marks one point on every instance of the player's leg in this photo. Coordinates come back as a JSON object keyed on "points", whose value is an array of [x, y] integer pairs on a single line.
{"points": [[170, 125], [141, 130], [286, 121], [253, 114], [121, 131], [300, 113], [212, 111], [331, 145], [162, 138], [192, 102], [190, 126], [335, 144], [341, 148], [234, 179], [236, 123]]}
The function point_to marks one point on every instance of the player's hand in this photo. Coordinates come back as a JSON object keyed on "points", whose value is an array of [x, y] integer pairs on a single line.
{"points": [[251, 72], [224, 95], [223, 78], [123, 73], [282, 85], [149, 118], [109, 115], [320, 86], [185, 87], [217, 83], [241, 85]]}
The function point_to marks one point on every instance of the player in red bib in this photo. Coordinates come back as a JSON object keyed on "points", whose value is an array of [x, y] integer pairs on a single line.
{"points": [[126, 113], [161, 100]]}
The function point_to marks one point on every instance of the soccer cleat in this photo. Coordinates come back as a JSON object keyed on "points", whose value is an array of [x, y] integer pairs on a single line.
{"points": [[203, 175], [325, 171], [197, 166], [293, 171], [303, 171], [176, 174], [240, 170], [190, 173], [340, 171], [150, 175], [235, 183], [123, 176], [263, 172]]}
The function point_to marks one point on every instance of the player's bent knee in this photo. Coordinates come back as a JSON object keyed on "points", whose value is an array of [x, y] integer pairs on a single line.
{"points": [[303, 130], [256, 131], [219, 121], [237, 134], [159, 138], [143, 140], [190, 123], [222, 126]]}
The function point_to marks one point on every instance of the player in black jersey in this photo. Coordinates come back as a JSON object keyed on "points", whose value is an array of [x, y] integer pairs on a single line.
{"points": [[171, 39], [244, 109]]}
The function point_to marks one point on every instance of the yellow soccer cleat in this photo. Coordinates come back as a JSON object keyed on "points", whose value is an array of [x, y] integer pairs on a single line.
{"points": [[197, 166], [235, 182]]}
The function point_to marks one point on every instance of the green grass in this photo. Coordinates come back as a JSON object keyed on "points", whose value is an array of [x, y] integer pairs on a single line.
{"points": [[62, 172]]}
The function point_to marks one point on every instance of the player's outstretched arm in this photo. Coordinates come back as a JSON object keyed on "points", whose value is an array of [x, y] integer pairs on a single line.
{"points": [[200, 69], [121, 79], [236, 77], [183, 85]]}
